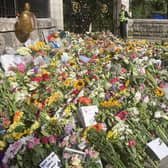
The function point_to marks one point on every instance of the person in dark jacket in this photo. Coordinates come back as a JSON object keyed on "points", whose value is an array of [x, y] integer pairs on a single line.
{"points": [[123, 17]]}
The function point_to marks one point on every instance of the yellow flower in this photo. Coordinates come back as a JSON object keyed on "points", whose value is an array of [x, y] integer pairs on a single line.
{"points": [[67, 82], [72, 63], [55, 97], [53, 63], [158, 92], [14, 125], [101, 51], [79, 84], [67, 111], [113, 135], [127, 83], [53, 119], [111, 103], [12, 78], [2, 145], [34, 126]]}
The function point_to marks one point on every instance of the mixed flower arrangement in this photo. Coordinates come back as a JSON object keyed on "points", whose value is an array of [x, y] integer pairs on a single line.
{"points": [[40, 102]]}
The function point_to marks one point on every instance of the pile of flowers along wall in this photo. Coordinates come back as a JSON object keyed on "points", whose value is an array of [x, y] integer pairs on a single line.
{"points": [[43, 88]]}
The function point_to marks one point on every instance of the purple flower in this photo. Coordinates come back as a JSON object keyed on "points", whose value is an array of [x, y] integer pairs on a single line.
{"points": [[35, 70]]}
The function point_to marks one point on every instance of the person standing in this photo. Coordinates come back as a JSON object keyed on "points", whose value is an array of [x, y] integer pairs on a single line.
{"points": [[123, 17]]}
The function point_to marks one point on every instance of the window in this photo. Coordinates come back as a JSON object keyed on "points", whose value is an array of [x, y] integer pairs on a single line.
{"points": [[9, 8]]}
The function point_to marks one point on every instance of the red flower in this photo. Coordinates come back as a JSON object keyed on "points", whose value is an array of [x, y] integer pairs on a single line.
{"points": [[51, 38], [45, 77], [75, 92], [84, 100], [122, 115], [64, 75], [114, 80], [122, 87], [95, 77], [132, 143], [44, 139], [36, 79]]}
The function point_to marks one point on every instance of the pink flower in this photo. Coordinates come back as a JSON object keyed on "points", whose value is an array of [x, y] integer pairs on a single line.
{"points": [[124, 70], [67, 156], [52, 139], [132, 143], [122, 115], [36, 141], [142, 87], [163, 85], [44, 139], [21, 67], [92, 153], [30, 145]]}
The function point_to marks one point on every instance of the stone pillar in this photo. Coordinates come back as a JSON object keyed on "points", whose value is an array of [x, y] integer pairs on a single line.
{"points": [[56, 13], [116, 10]]}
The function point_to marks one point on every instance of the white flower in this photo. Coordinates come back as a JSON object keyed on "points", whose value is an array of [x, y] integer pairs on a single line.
{"points": [[102, 95], [137, 97], [146, 99], [133, 110], [158, 114]]}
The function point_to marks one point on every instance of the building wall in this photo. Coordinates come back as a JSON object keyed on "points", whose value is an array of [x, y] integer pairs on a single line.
{"points": [[55, 20], [152, 29]]}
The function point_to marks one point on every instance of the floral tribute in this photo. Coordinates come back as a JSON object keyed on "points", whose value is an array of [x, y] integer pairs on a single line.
{"points": [[40, 102]]}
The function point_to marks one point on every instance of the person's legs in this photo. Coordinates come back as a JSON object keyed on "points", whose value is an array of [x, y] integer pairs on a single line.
{"points": [[121, 30], [124, 30]]}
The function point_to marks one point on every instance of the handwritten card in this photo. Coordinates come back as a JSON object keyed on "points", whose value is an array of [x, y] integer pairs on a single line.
{"points": [[87, 115], [159, 148], [52, 161]]}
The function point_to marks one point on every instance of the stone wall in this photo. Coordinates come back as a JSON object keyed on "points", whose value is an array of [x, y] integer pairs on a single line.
{"points": [[152, 29], [7, 30]]}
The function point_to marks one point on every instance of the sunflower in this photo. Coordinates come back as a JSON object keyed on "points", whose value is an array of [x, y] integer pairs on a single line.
{"points": [[67, 82], [158, 92], [79, 84], [72, 63]]}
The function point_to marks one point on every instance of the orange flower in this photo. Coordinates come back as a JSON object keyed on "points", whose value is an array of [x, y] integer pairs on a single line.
{"points": [[98, 127], [84, 100], [17, 116]]}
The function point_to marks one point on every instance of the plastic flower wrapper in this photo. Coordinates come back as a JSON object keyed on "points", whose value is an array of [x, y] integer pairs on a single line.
{"points": [[24, 51]]}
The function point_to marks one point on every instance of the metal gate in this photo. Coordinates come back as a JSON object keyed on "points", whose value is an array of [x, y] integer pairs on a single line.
{"points": [[79, 15]]}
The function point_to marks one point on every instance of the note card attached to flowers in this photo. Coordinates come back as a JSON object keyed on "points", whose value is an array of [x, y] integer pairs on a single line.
{"points": [[52, 161], [159, 148], [87, 115]]}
